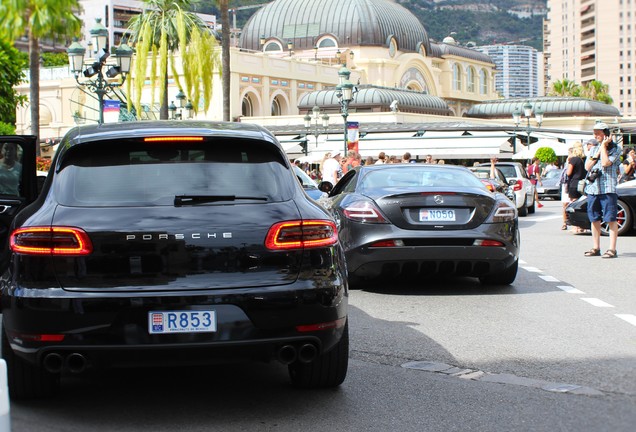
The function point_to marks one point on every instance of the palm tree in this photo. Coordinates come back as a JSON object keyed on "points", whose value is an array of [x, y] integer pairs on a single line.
{"points": [[597, 90], [50, 19], [164, 28], [225, 56], [565, 87]]}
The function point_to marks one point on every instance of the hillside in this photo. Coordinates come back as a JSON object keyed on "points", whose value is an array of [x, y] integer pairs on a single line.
{"points": [[484, 23]]}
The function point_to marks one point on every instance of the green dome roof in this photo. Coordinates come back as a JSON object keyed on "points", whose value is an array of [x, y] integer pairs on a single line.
{"points": [[350, 22]]}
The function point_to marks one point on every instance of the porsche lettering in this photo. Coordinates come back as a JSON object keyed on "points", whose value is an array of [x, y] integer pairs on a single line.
{"points": [[178, 236]]}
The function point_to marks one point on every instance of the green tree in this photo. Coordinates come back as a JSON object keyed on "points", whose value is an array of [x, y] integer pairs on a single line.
{"points": [[546, 155], [11, 66], [565, 87], [596, 90], [163, 29], [50, 19]]}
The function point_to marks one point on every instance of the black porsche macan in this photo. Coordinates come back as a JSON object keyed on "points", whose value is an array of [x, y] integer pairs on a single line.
{"points": [[168, 243]]}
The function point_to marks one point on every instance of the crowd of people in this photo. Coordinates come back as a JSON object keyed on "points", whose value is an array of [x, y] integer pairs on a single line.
{"points": [[333, 165]]}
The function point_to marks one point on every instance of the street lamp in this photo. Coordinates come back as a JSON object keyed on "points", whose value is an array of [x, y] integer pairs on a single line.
{"points": [[316, 116], [346, 92], [527, 114], [99, 46]]}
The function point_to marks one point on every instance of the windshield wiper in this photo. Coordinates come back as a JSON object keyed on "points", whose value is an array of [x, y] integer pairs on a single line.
{"points": [[181, 200]]}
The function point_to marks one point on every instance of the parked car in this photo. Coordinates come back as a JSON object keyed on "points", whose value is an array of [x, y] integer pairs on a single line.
{"points": [[172, 243], [421, 220], [550, 187], [521, 185], [577, 211], [498, 183], [308, 184]]}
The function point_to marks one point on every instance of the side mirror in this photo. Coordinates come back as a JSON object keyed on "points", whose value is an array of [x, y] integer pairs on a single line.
{"points": [[512, 182], [325, 186]]}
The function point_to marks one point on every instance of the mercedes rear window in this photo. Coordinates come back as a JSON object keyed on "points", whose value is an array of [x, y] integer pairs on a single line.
{"points": [[132, 172]]}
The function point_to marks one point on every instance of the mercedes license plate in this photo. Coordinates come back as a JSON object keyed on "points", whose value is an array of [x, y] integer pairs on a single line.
{"points": [[437, 215], [192, 321]]}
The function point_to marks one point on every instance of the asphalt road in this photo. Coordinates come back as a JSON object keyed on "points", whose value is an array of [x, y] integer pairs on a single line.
{"points": [[556, 351]]}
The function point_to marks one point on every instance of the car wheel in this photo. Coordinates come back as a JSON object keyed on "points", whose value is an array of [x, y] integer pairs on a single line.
{"points": [[27, 381], [505, 277], [532, 207], [327, 370], [523, 210], [624, 219]]}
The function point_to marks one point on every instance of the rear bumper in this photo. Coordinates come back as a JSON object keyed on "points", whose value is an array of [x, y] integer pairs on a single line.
{"points": [[436, 253], [251, 325], [437, 261]]}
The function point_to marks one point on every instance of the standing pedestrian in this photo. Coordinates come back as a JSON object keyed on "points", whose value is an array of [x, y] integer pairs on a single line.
{"points": [[534, 172], [602, 166], [575, 171]]}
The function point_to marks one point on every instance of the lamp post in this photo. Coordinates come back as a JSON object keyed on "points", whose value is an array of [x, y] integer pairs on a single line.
{"points": [[346, 92], [527, 114], [315, 117], [99, 46]]}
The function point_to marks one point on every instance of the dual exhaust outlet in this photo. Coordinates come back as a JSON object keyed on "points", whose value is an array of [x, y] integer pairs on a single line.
{"points": [[74, 362], [305, 353]]}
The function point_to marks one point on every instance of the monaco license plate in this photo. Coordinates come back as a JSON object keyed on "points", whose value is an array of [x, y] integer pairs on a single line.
{"points": [[199, 321], [437, 215]]}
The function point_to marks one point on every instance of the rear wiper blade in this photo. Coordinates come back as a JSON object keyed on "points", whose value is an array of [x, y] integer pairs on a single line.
{"points": [[181, 200]]}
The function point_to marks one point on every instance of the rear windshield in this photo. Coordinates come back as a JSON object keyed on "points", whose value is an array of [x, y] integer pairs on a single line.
{"points": [[419, 176], [132, 173]]}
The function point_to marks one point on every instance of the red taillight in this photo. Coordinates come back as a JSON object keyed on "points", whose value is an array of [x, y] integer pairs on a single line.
{"points": [[301, 235], [37, 337], [387, 243], [322, 326], [363, 211], [492, 243], [488, 185], [50, 241], [517, 186]]}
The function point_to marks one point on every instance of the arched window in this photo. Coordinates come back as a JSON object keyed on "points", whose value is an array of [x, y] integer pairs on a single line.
{"points": [[327, 42], [483, 82], [247, 108], [276, 107], [272, 46], [457, 77], [470, 80]]}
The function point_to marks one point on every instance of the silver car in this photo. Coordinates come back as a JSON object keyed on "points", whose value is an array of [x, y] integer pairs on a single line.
{"points": [[521, 185]]}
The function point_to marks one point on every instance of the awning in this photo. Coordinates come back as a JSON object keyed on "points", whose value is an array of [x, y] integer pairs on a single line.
{"points": [[449, 145], [561, 149]]}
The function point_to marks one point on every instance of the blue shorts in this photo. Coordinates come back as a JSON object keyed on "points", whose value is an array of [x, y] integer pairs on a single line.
{"points": [[602, 207]]}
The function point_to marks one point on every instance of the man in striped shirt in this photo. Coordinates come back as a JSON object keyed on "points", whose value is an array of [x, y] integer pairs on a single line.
{"points": [[602, 200]]}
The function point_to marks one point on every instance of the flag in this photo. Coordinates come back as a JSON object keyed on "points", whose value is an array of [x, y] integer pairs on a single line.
{"points": [[353, 134]]}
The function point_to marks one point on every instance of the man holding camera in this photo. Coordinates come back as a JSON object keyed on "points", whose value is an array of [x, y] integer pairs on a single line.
{"points": [[602, 166]]}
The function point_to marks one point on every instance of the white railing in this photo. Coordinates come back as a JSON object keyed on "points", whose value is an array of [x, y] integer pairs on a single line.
{"points": [[50, 73]]}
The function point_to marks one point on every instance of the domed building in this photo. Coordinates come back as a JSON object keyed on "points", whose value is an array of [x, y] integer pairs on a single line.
{"points": [[382, 43]]}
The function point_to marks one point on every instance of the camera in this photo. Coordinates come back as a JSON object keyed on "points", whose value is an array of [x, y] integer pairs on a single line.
{"points": [[593, 175]]}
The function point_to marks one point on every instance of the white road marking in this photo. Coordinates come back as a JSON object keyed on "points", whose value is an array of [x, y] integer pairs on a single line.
{"points": [[570, 290], [549, 278], [627, 317], [597, 302], [532, 269]]}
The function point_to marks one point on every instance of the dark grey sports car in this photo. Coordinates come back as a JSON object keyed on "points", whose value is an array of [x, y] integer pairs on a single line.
{"points": [[419, 220]]}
